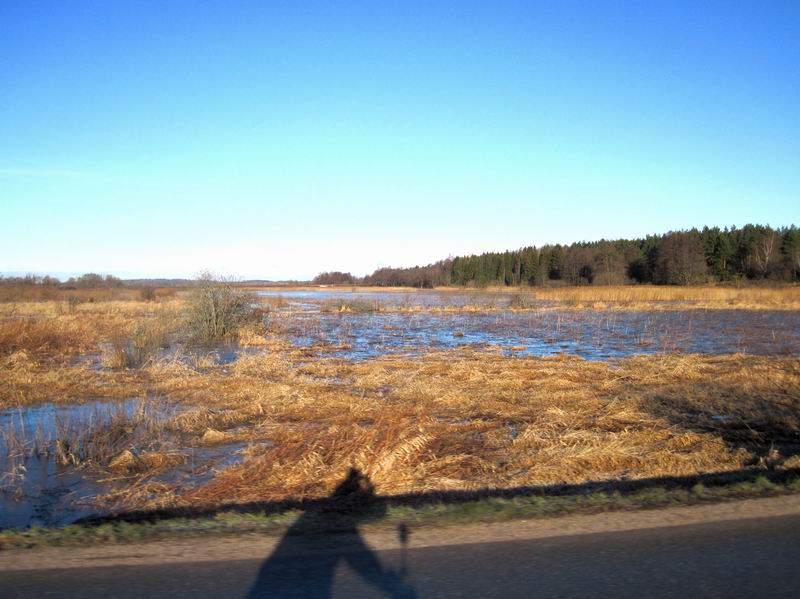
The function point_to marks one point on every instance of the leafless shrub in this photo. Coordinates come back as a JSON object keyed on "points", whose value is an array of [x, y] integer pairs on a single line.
{"points": [[73, 301], [217, 309]]}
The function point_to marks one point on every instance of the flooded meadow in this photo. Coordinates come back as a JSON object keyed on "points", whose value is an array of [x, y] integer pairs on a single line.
{"points": [[361, 325], [472, 389]]}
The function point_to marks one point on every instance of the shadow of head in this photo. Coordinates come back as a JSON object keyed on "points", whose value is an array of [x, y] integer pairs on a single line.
{"points": [[355, 496], [355, 486]]}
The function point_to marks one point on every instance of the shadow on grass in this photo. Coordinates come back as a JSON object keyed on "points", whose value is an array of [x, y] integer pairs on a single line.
{"points": [[290, 571], [766, 426], [317, 512]]}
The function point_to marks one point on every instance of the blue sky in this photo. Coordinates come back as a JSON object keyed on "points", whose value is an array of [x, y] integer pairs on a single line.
{"points": [[280, 139]]}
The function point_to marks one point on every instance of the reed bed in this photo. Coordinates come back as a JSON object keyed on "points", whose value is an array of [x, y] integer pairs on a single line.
{"points": [[467, 420], [26, 380], [120, 439], [45, 336], [599, 297], [55, 330], [706, 297], [444, 420]]}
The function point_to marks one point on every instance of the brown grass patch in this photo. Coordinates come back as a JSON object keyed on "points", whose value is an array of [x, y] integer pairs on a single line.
{"points": [[41, 336], [456, 419], [26, 380], [152, 462], [463, 420], [47, 293], [655, 296]]}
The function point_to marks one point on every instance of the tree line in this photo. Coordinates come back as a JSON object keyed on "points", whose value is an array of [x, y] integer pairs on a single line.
{"points": [[749, 253], [89, 280]]}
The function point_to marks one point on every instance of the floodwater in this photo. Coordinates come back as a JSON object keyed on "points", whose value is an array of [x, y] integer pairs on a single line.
{"points": [[36, 489], [367, 332]]}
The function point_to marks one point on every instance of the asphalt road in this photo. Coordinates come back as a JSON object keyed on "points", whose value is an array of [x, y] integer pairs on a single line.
{"points": [[742, 558]]}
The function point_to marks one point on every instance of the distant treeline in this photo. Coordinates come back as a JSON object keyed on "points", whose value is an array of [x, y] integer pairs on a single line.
{"points": [[158, 282], [752, 252], [87, 281], [335, 278], [95, 281]]}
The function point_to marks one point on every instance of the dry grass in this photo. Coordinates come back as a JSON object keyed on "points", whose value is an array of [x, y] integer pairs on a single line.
{"points": [[38, 293], [26, 380], [252, 335], [785, 298], [102, 438], [599, 297], [45, 336], [456, 419], [58, 331], [465, 420], [141, 344], [462, 420]]}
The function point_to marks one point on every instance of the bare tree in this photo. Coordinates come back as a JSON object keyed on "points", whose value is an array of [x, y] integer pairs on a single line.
{"points": [[764, 251]]}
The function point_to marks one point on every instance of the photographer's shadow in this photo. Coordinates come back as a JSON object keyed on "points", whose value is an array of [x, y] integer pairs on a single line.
{"points": [[299, 567]]}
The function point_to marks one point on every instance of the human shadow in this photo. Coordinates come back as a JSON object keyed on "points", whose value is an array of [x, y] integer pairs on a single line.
{"points": [[304, 566]]}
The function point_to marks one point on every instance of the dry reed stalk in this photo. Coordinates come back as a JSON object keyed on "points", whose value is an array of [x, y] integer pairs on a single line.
{"points": [[45, 336]]}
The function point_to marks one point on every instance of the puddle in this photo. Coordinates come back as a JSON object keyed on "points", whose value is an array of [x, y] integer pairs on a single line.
{"points": [[37, 488]]}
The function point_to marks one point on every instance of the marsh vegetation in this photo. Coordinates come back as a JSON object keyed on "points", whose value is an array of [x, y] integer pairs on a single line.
{"points": [[110, 406]]}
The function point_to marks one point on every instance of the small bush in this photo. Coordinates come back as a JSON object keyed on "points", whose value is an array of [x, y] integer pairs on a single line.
{"points": [[147, 294], [521, 302], [356, 306], [217, 309], [146, 339], [73, 302]]}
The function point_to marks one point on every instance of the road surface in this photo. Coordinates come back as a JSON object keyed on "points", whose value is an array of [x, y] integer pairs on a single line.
{"points": [[754, 557]]}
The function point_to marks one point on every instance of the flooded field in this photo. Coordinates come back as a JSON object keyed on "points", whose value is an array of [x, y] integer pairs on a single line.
{"points": [[359, 325], [475, 389]]}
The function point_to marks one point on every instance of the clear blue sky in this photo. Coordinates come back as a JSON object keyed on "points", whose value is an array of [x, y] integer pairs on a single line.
{"points": [[279, 139]]}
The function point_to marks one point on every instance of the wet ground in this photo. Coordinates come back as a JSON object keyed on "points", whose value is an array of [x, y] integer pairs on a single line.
{"points": [[38, 487], [352, 325]]}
